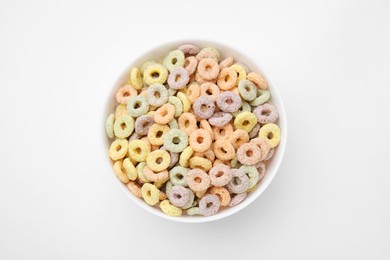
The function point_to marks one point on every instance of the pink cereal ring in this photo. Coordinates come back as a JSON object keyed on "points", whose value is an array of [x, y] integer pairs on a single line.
{"points": [[189, 49], [266, 113], [237, 199], [208, 69], [220, 119], [209, 89], [125, 93], [226, 63], [263, 145], [197, 180], [178, 78], [190, 64], [220, 175], [248, 154], [227, 79]]}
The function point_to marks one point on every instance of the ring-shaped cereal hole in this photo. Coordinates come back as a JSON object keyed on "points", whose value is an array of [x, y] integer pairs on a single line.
{"points": [[239, 182], [247, 90], [175, 140], [158, 160], [177, 175], [245, 121], [237, 199], [224, 150], [227, 79], [241, 73], [150, 194], [197, 180], [193, 92], [252, 174], [200, 140], [155, 176], [155, 73], [226, 63], [156, 134], [178, 196], [248, 154], [210, 90], [209, 205], [263, 145], [157, 95], [271, 133], [255, 131], [137, 106], [204, 107], [258, 80], [123, 126], [208, 52], [187, 123], [143, 124], [110, 126], [229, 101], [174, 60], [222, 132], [164, 114], [238, 138], [220, 175], [125, 93], [220, 119], [222, 193], [266, 113], [190, 64], [208, 69], [189, 49], [136, 78], [262, 97], [200, 163], [138, 150], [178, 78]]}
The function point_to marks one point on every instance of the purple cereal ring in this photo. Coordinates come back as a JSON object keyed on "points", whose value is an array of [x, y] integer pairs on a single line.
{"points": [[204, 107], [270, 154], [209, 205], [220, 119], [208, 69], [266, 113], [143, 123], [260, 166], [255, 131], [237, 199], [178, 196], [174, 157], [229, 101], [239, 182], [189, 49], [178, 78], [190, 64], [220, 175], [134, 136]]}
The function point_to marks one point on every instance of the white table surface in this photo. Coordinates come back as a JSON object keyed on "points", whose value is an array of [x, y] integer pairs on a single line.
{"points": [[330, 61]]}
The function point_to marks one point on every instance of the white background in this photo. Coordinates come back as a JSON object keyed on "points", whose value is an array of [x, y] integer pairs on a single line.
{"points": [[330, 61]]}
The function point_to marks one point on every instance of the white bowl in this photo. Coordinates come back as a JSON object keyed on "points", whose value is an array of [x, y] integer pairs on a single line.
{"points": [[157, 54]]}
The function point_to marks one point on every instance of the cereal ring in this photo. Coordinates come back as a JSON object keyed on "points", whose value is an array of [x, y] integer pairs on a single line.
{"points": [[234, 163], [204, 107], [138, 150], [226, 63], [263, 145], [178, 78], [119, 172], [178, 196], [177, 175], [162, 196], [169, 209], [185, 156], [247, 90], [255, 131], [174, 159], [193, 92], [150, 194], [223, 132], [110, 126], [187, 123], [120, 110], [239, 182], [258, 80], [227, 79], [200, 163], [134, 188], [237, 199], [145, 65], [209, 205], [201, 194], [261, 170], [155, 73], [198, 180], [252, 173], [209, 155], [224, 150], [137, 106], [229, 101], [173, 60], [208, 69], [136, 78], [271, 133], [270, 154], [210, 90], [164, 114], [191, 199], [220, 175], [140, 171], [245, 121], [241, 73], [200, 140], [130, 170], [172, 91], [208, 52], [184, 100], [189, 49], [266, 113], [222, 194], [175, 140], [143, 124], [158, 160], [262, 97], [168, 186], [193, 211], [123, 126], [220, 119], [156, 134], [157, 95], [124, 93], [177, 104], [218, 162], [173, 124], [118, 149], [244, 107], [201, 80], [238, 138], [190, 65], [146, 140], [155, 176], [204, 124]]}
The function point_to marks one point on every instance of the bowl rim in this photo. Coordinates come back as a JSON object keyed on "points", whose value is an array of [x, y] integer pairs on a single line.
{"points": [[256, 193]]}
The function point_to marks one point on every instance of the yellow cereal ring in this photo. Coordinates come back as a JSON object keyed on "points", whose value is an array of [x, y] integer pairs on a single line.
{"points": [[245, 121], [150, 194], [134, 188], [118, 149], [156, 134], [120, 110], [271, 133], [169, 209], [151, 113], [185, 156], [184, 99], [155, 73], [146, 140], [158, 160], [200, 163], [138, 150], [119, 172], [140, 171], [160, 183], [130, 170], [136, 78], [241, 73]]}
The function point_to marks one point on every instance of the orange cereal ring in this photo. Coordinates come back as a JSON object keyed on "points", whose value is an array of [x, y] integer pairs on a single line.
{"points": [[226, 63], [263, 145], [125, 93], [164, 114], [201, 80], [248, 154], [155, 177], [238, 138], [223, 132], [120, 172], [193, 92], [209, 155], [187, 123], [200, 140], [227, 79], [197, 180], [206, 126], [224, 150], [208, 69], [209, 89], [190, 64], [135, 188], [258, 80], [222, 194]]}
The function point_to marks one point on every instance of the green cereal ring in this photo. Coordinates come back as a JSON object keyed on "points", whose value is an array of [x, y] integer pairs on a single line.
{"points": [[177, 176], [190, 201], [244, 107], [123, 126], [155, 73], [173, 124], [145, 65], [193, 211], [175, 140], [110, 125], [174, 59], [137, 106], [168, 186], [252, 173], [157, 95], [247, 90], [176, 102], [262, 97]]}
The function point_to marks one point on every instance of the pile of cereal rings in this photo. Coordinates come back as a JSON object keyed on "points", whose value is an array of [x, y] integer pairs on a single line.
{"points": [[192, 134]]}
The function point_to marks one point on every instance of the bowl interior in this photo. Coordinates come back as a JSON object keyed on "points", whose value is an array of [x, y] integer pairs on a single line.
{"points": [[158, 54]]}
